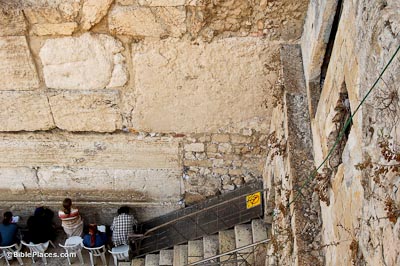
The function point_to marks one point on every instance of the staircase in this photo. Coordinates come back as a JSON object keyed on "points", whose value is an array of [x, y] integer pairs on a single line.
{"points": [[245, 244], [224, 230]]}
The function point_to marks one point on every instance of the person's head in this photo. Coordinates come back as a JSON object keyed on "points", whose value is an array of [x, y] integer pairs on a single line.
{"points": [[67, 204], [123, 209], [39, 211], [92, 233], [7, 218]]}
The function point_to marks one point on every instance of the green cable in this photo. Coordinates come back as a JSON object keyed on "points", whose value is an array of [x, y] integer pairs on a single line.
{"points": [[339, 138]]}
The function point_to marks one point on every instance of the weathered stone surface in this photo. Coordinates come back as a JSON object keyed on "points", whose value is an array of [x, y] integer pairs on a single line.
{"points": [[196, 147], [162, 2], [51, 11], [17, 180], [52, 17], [90, 184], [22, 110], [86, 110], [47, 29], [73, 62], [93, 11], [149, 22], [12, 22], [17, 70], [276, 20], [180, 255], [132, 184], [239, 73], [108, 151], [317, 29]]}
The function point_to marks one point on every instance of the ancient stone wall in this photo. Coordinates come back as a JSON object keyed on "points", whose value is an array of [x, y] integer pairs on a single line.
{"points": [[353, 200], [143, 102], [358, 185], [290, 198]]}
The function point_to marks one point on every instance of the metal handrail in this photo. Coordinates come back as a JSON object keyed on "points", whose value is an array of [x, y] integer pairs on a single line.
{"points": [[228, 252], [197, 212]]}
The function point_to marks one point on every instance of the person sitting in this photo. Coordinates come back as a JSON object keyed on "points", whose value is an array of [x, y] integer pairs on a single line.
{"points": [[71, 220], [40, 226], [122, 226], [8, 230], [94, 238]]}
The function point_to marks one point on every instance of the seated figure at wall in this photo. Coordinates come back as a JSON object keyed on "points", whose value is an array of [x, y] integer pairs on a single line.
{"points": [[40, 226], [8, 230], [122, 226], [94, 238], [71, 220]]}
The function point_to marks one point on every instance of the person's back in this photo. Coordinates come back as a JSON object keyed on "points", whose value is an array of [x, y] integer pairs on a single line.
{"points": [[70, 219], [122, 227], [40, 227], [94, 239], [8, 231]]}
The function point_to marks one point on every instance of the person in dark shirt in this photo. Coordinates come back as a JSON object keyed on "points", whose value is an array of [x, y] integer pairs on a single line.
{"points": [[8, 231], [40, 226], [94, 238]]}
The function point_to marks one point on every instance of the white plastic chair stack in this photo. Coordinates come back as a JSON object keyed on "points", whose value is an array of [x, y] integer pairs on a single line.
{"points": [[73, 245], [120, 253], [10, 250], [38, 249], [97, 252]]}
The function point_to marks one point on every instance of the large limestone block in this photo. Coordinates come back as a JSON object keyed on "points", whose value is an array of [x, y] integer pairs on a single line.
{"points": [[150, 185], [17, 70], [317, 29], [12, 22], [122, 151], [93, 11], [52, 17], [87, 62], [17, 180], [23, 110], [86, 110], [44, 29], [51, 11], [182, 87], [149, 22]]}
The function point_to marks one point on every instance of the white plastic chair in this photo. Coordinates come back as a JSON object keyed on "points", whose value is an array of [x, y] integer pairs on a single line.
{"points": [[38, 249], [73, 245], [120, 253], [97, 252], [10, 250]]}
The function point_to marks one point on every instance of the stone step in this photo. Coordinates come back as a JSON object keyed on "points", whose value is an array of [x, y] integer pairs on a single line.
{"points": [[226, 243], [138, 262], [244, 237], [259, 230], [195, 250], [152, 260], [180, 255], [211, 246], [166, 257]]}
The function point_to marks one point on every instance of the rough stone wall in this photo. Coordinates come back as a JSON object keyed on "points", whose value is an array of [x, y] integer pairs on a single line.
{"points": [[221, 162], [359, 185], [291, 200], [108, 101]]}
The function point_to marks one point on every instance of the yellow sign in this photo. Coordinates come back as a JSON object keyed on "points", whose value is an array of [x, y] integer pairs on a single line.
{"points": [[253, 200]]}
